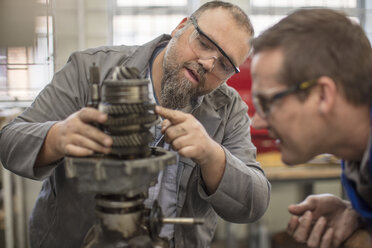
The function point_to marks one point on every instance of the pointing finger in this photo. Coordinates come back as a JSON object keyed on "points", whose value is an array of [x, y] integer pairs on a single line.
{"points": [[174, 116]]}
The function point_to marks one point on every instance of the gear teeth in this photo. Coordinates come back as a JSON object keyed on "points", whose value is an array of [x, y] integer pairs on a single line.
{"points": [[130, 120], [125, 99], [135, 139], [137, 108], [123, 72]]}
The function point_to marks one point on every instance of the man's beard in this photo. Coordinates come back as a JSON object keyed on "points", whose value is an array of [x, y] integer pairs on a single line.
{"points": [[177, 91]]}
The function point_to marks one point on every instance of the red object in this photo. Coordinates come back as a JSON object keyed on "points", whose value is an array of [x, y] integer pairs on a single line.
{"points": [[242, 82]]}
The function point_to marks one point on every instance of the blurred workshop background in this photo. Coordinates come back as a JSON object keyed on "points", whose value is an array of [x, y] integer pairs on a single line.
{"points": [[36, 38]]}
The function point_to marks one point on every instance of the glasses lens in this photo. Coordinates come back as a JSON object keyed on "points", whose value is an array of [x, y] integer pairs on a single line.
{"points": [[201, 45], [223, 67], [205, 49], [261, 105]]}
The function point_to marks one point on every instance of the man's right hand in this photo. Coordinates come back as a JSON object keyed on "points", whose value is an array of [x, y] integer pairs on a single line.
{"points": [[322, 221], [75, 136]]}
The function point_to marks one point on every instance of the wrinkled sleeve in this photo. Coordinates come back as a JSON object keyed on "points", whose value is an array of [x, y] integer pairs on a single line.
{"points": [[244, 192], [22, 139]]}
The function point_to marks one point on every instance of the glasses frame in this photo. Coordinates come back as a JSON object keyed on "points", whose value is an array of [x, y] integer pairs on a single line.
{"points": [[197, 28], [290, 90]]}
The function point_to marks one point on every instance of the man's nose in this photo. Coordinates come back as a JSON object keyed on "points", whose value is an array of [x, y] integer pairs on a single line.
{"points": [[258, 122], [208, 63]]}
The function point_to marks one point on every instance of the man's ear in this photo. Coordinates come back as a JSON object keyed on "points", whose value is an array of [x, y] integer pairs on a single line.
{"points": [[179, 26], [328, 94]]}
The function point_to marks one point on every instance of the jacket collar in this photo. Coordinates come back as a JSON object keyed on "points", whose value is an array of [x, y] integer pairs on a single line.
{"points": [[141, 56]]}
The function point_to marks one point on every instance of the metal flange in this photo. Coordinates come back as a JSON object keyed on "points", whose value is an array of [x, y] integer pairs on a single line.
{"points": [[111, 175]]}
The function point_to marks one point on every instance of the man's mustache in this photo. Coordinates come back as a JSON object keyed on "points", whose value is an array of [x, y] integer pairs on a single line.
{"points": [[198, 68]]}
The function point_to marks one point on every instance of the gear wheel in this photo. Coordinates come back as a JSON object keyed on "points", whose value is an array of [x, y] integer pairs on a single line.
{"points": [[133, 139], [133, 119], [125, 99], [126, 109]]}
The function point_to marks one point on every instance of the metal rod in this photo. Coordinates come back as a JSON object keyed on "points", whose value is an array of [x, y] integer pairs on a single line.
{"points": [[191, 221]]}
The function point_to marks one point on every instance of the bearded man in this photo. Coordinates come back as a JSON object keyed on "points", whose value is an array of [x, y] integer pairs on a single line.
{"points": [[206, 123]]}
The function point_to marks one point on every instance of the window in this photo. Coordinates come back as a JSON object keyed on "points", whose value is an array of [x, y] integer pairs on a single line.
{"points": [[147, 3], [265, 13], [25, 70], [305, 3], [136, 22]]}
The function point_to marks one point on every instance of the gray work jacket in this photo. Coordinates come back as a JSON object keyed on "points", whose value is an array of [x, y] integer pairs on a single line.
{"points": [[62, 216]]}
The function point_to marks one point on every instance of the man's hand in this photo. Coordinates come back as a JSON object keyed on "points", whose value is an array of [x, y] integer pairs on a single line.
{"points": [[75, 136], [189, 138], [322, 221]]}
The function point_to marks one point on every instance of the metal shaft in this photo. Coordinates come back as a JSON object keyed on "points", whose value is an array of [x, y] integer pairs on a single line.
{"points": [[191, 221]]}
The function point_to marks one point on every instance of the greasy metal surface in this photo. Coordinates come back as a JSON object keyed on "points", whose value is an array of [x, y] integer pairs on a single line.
{"points": [[125, 91], [112, 175], [95, 94], [125, 98], [132, 108]]}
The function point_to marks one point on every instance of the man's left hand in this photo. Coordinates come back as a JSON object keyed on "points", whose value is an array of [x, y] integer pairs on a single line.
{"points": [[190, 139]]}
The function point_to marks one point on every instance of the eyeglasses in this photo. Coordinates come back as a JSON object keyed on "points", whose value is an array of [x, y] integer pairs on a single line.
{"points": [[263, 104], [205, 48]]}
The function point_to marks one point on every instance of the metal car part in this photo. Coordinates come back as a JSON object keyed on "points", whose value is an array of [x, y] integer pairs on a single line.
{"points": [[121, 179]]}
